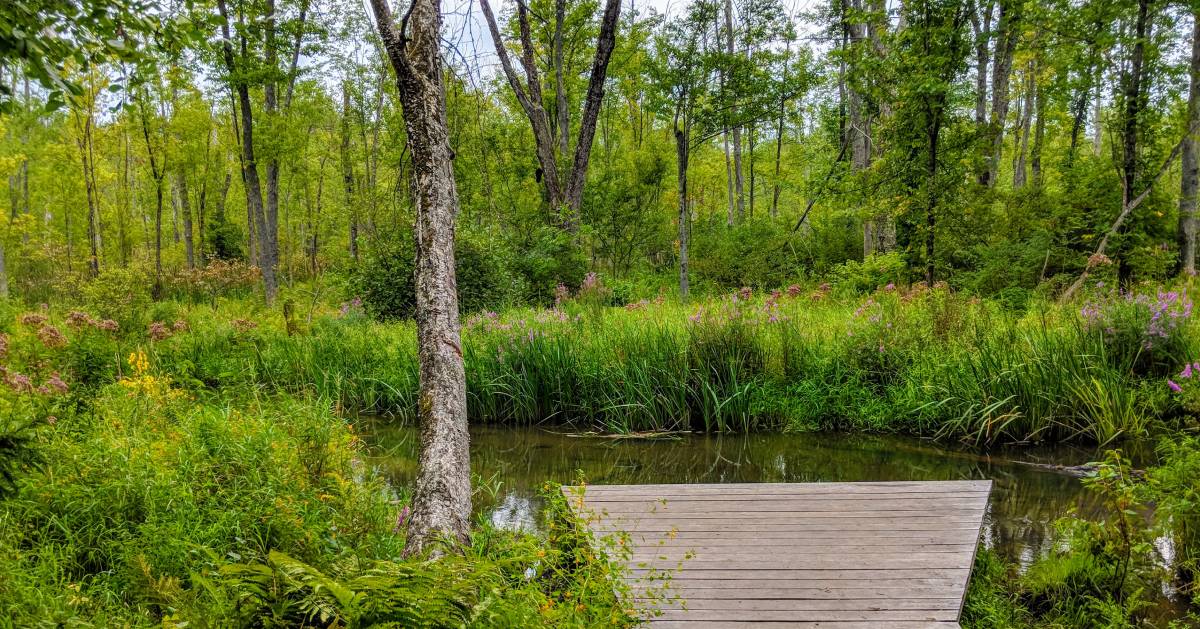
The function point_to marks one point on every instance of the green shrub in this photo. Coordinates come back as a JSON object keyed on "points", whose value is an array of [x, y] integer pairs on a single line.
{"points": [[873, 272], [122, 295], [385, 282]]}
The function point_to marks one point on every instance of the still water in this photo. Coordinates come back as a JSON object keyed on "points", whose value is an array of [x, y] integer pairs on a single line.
{"points": [[513, 462]]}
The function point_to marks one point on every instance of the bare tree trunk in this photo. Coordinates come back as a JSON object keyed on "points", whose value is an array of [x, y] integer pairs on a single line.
{"points": [[531, 101], [1025, 125], [185, 208], [159, 172], [981, 25], [348, 173], [441, 505], [730, 206], [250, 177], [779, 136], [1097, 122], [1189, 179], [682, 139], [1039, 133], [560, 88], [3, 273], [1008, 31], [736, 131], [605, 43], [1132, 87], [84, 142]]}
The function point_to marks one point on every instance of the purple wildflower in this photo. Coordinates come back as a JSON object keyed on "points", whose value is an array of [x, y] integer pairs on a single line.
{"points": [[1174, 387]]}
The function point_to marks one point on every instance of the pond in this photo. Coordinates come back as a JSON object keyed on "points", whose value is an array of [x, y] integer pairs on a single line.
{"points": [[1025, 501], [1027, 496]]}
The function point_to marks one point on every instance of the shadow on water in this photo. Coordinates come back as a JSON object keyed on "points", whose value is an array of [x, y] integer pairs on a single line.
{"points": [[1025, 500]]}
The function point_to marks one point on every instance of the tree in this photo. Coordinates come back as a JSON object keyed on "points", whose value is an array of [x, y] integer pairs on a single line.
{"points": [[441, 505], [681, 77], [562, 194], [1189, 179], [256, 63]]}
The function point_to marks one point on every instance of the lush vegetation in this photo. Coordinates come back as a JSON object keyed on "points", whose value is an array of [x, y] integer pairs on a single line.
{"points": [[957, 219]]}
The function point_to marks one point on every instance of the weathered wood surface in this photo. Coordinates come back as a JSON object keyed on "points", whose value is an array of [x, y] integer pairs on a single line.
{"points": [[831, 555]]}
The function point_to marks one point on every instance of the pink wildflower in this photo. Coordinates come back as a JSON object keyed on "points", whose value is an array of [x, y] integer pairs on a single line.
{"points": [[1174, 387]]}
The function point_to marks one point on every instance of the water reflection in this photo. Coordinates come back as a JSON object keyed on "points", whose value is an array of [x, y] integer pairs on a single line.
{"points": [[1025, 500]]}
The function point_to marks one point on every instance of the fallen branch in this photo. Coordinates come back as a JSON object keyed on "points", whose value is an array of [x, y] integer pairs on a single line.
{"points": [[1098, 255]]}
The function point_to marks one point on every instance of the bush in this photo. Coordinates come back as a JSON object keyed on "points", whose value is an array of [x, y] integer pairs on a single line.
{"points": [[548, 257], [873, 272], [385, 280], [122, 295]]}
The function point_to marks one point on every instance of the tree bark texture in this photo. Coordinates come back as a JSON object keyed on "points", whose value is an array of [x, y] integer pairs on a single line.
{"points": [[441, 506], [1190, 177]]}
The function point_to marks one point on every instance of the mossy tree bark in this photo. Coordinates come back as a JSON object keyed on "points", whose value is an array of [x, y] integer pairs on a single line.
{"points": [[441, 506]]}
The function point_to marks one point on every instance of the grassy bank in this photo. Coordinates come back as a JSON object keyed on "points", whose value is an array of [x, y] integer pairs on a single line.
{"points": [[921, 362], [149, 508]]}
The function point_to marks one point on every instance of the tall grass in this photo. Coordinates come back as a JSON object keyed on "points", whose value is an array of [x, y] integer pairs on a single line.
{"points": [[922, 362]]}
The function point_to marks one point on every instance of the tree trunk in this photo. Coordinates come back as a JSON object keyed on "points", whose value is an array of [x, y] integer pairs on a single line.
{"points": [[348, 172], [736, 131], [779, 136], [682, 138], [1007, 33], [1132, 89], [560, 88], [1189, 179], [1039, 133], [730, 204], [250, 177], [1025, 125], [531, 102], [591, 108], [441, 505], [981, 25], [3, 273], [185, 208]]}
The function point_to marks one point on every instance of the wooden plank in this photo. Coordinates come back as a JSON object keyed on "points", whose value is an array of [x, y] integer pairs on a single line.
{"points": [[942, 615], [714, 590], [816, 575], [748, 624], [843, 555], [944, 485], [945, 561], [737, 550], [806, 605]]}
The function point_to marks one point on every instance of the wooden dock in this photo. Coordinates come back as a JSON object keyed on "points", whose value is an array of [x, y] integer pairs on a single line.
{"points": [[830, 555]]}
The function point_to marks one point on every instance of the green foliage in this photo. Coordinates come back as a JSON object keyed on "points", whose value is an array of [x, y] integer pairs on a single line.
{"points": [[122, 295], [874, 272], [385, 279]]}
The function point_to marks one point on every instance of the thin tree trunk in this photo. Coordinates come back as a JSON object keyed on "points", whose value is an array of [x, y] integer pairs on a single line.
{"points": [[185, 207], [736, 131], [250, 176], [1039, 133], [1189, 179], [348, 173], [1007, 33], [1133, 101], [779, 135], [1025, 125], [441, 506], [682, 139], [560, 88]]}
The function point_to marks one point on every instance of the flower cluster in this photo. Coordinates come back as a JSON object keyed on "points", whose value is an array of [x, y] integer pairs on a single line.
{"points": [[354, 306], [160, 331], [51, 336], [32, 319], [1190, 370], [23, 384], [142, 382]]}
